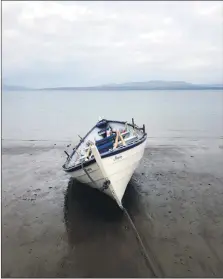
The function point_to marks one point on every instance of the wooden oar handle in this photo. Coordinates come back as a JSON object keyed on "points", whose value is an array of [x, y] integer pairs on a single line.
{"points": [[116, 139], [118, 134], [123, 142]]}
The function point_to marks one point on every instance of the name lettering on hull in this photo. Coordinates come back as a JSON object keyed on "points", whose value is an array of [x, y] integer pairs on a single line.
{"points": [[118, 157]]}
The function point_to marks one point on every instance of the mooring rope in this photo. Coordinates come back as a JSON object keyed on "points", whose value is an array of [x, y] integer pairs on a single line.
{"points": [[154, 269], [149, 260]]}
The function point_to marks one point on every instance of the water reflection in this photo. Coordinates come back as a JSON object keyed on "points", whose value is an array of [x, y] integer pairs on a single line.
{"points": [[101, 241], [89, 213]]}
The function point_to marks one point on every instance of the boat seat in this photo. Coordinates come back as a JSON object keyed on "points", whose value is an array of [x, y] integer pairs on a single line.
{"points": [[105, 147], [105, 144], [105, 140]]}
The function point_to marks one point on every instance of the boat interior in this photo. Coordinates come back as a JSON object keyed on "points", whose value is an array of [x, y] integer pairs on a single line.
{"points": [[107, 136]]}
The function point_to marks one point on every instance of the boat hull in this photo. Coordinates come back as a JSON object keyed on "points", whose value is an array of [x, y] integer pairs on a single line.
{"points": [[119, 170]]}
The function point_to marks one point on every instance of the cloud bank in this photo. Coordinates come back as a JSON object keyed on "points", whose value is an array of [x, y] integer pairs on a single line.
{"points": [[91, 43]]}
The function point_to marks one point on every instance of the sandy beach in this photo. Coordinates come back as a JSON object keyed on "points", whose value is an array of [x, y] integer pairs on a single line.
{"points": [[53, 226]]}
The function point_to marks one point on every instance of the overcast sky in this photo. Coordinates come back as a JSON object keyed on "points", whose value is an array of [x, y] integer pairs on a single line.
{"points": [[91, 43]]}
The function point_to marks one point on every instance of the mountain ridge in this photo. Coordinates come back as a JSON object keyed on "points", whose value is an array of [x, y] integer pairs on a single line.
{"points": [[143, 85]]}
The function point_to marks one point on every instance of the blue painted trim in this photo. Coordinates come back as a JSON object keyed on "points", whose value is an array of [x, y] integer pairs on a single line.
{"points": [[103, 155], [105, 140], [107, 154]]}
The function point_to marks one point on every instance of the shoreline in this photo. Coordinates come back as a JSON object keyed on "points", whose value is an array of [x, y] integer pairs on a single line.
{"points": [[55, 227]]}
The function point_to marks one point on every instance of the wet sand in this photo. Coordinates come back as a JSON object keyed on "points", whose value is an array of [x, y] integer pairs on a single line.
{"points": [[53, 226]]}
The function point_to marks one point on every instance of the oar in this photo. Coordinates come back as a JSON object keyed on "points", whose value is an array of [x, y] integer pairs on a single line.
{"points": [[116, 139], [123, 142]]}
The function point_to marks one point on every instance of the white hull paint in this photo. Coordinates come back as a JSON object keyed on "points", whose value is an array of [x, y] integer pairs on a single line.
{"points": [[119, 170]]}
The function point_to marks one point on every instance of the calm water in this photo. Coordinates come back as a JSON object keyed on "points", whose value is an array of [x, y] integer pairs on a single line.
{"points": [[61, 115]]}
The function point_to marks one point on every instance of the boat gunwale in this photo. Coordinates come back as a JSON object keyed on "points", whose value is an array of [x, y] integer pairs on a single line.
{"points": [[107, 154]]}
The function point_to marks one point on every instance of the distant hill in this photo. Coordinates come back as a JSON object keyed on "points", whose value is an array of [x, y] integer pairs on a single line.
{"points": [[14, 88], [145, 85]]}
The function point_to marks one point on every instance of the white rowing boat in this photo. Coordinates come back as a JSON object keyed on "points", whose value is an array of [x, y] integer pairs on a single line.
{"points": [[107, 157]]}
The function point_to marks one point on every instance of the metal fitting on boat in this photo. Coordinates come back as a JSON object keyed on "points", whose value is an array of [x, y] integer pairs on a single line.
{"points": [[105, 185]]}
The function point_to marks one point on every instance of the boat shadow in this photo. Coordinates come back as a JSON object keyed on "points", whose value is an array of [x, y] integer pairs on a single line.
{"points": [[88, 213]]}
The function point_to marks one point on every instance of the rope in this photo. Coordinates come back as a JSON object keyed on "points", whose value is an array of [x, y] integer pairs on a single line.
{"points": [[83, 168], [150, 262], [152, 266]]}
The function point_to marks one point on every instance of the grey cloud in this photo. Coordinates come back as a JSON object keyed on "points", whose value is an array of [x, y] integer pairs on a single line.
{"points": [[84, 43]]}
